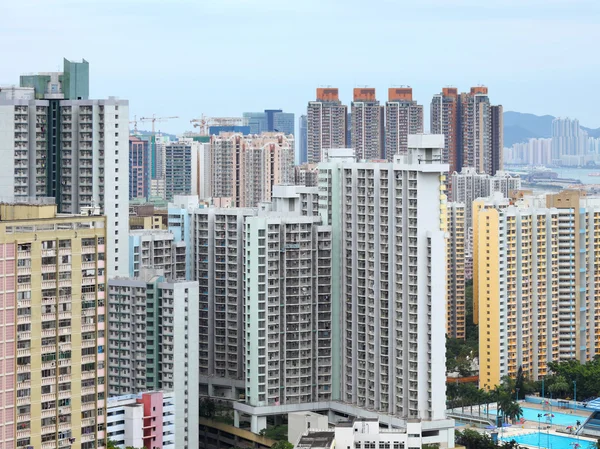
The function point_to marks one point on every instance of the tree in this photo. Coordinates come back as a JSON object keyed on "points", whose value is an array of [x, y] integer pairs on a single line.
{"points": [[277, 433], [282, 445], [207, 408], [475, 440], [471, 439], [559, 386], [110, 444], [513, 411]]}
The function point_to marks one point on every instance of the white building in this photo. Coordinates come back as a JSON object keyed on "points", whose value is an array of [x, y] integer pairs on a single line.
{"points": [[388, 219], [138, 419], [74, 150], [218, 265], [367, 434], [153, 344], [288, 305], [202, 186]]}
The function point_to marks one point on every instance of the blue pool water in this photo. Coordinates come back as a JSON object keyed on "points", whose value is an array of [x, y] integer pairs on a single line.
{"points": [[550, 441], [559, 419]]}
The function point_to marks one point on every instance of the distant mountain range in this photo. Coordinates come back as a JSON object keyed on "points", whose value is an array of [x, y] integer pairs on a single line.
{"points": [[518, 127]]}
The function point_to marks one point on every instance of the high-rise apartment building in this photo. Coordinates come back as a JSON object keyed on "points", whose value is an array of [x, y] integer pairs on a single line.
{"points": [[218, 265], [287, 305], [472, 127], [58, 143], [366, 138], [302, 140], [245, 168], [403, 116], [455, 271], [532, 152], [180, 167], [568, 141], [534, 283], [475, 127], [326, 124], [179, 224], [139, 168], [52, 337], [444, 119], [467, 186], [156, 249], [153, 344], [203, 179], [494, 162], [389, 220]]}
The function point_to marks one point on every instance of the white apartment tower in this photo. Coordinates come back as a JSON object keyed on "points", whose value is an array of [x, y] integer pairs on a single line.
{"points": [[218, 265], [391, 229], [153, 344], [55, 142], [288, 305], [403, 116], [366, 130]]}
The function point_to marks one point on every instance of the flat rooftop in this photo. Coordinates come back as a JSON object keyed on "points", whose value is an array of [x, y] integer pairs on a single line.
{"points": [[316, 440]]}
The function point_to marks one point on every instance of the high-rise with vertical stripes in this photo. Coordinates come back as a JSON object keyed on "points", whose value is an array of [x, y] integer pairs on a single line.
{"points": [[55, 142], [326, 124], [367, 120], [473, 129], [403, 116]]}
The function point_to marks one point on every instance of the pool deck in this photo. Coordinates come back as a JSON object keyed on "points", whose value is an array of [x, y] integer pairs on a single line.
{"points": [[556, 409]]}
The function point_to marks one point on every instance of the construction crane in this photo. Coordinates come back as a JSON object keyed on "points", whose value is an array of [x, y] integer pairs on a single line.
{"points": [[204, 123], [155, 119], [135, 122]]}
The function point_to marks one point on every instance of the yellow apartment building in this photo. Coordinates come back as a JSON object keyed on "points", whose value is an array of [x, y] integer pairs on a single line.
{"points": [[52, 365]]}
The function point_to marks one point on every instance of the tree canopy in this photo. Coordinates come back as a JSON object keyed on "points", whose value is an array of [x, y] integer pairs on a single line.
{"points": [[472, 439]]}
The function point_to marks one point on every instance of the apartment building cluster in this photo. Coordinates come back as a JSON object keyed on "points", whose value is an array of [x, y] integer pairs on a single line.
{"points": [[471, 125], [245, 168], [160, 168], [468, 186], [536, 282], [300, 298], [569, 145], [67, 345], [376, 132]]}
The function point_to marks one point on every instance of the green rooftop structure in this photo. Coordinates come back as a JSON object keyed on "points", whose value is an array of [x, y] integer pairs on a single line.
{"points": [[73, 83]]}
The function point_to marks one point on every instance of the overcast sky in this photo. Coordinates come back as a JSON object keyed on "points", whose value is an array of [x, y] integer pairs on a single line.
{"points": [[224, 57]]}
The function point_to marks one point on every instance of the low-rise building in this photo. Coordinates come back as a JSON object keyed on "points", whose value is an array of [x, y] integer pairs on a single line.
{"points": [[142, 420], [365, 433]]}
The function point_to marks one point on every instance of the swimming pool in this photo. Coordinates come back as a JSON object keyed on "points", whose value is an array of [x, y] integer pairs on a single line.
{"points": [[550, 441], [559, 419]]}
